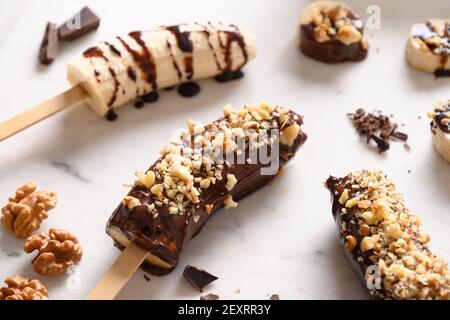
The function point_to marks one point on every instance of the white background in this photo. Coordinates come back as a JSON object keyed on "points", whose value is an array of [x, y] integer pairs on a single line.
{"points": [[281, 239]]}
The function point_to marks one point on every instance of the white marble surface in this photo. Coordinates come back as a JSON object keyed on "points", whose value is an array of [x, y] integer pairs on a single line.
{"points": [[280, 240]]}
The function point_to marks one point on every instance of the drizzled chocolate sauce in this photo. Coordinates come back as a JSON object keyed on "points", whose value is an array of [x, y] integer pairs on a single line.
{"points": [[182, 33], [208, 37], [232, 35], [144, 60], [229, 76], [113, 49], [150, 97], [131, 74], [174, 62], [189, 89], [426, 31], [111, 115], [96, 52], [441, 115]]}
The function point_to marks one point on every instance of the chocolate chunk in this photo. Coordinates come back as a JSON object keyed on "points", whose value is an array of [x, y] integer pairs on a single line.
{"points": [[80, 24], [210, 297], [198, 278], [111, 116], [150, 97], [189, 89], [139, 104], [49, 46], [377, 127], [274, 297]]}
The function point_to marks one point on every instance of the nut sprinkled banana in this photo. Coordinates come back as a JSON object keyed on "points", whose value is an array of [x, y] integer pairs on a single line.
{"points": [[440, 127], [332, 32], [428, 47], [127, 67]]}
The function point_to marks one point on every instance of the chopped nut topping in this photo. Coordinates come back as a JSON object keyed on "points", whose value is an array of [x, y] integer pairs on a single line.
{"points": [[131, 202], [289, 135], [58, 250], [20, 288], [229, 203], [25, 211], [344, 197], [231, 182], [350, 243], [146, 179], [349, 34], [208, 208]]}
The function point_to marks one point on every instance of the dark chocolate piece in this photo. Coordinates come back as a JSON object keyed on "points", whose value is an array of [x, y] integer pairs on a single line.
{"points": [[274, 297], [83, 22], [158, 225], [49, 46], [139, 104], [111, 116], [198, 278], [331, 49], [377, 127], [150, 97], [189, 89], [230, 76], [210, 297]]}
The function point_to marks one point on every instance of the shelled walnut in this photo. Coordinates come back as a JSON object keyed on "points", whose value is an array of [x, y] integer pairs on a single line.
{"points": [[58, 250], [20, 288], [25, 211]]}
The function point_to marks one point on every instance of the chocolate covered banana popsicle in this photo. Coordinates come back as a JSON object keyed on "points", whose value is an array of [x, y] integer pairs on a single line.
{"points": [[383, 240], [207, 168], [129, 66], [139, 63]]}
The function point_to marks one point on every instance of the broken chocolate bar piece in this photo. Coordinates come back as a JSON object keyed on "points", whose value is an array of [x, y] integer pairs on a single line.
{"points": [[210, 297], [49, 46], [198, 278], [83, 22], [208, 167], [383, 240], [332, 32], [274, 297]]}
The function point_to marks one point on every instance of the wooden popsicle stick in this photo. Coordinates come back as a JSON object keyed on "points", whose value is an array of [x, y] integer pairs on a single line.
{"points": [[119, 273], [42, 111]]}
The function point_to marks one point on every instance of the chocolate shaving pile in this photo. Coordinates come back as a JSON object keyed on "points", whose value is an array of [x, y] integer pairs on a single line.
{"points": [[377, 127]]}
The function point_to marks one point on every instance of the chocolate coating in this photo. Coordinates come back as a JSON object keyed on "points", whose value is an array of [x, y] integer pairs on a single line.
{"points": [[166, 235]]}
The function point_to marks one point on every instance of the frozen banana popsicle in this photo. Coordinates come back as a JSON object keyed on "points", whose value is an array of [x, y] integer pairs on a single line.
{"points": [[383, 240], [127, 67], [209, 167]]}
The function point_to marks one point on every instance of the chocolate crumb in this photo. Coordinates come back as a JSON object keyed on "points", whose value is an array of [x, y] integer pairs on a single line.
{"points": [[146, 277], [210, 297], [139, 104], [198, 278], [377, 127], [274, 297]]}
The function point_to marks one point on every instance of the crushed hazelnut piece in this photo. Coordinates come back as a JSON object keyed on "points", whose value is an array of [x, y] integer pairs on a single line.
{"points": [[350, 243], [229, 203], [208, 208], [25, 211], [349, 34], [57, 251], [131, 202], [146, 179], [289, 135], [231, 182]]}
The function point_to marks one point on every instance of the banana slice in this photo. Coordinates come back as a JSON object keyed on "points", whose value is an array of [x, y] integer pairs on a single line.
{"points": [[130, 66], [332, 32], [440, 127], [428, 47]]}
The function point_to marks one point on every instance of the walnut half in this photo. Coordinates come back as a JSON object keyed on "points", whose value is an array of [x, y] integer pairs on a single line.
{"points": [[20, 288], [58, 250], [25, 211]]}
